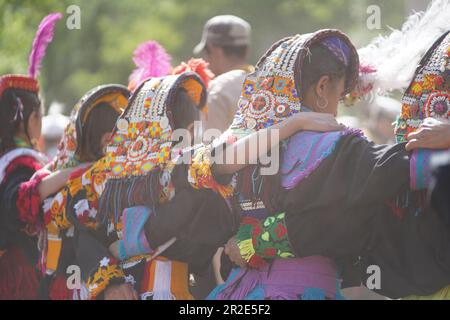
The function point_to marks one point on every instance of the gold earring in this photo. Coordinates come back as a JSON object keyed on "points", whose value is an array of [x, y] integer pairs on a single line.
{"points": [[322, 106]]}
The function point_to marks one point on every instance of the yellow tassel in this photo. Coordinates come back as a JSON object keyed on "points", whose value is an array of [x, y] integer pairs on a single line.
{"points": [[443, 294], [200, 175], [246, 248], [54, 244]]}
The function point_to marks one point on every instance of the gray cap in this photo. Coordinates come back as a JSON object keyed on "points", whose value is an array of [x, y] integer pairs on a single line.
{"points": [[224, 30]]}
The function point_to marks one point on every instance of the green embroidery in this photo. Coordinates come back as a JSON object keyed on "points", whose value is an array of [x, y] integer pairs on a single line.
{"points": [[267, 239], [272, 242], [19, 142]]}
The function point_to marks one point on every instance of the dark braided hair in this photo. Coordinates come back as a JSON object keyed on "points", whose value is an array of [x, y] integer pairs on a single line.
{"points": [[100, 120], [184, 110], [16, 106], [321, 62]]}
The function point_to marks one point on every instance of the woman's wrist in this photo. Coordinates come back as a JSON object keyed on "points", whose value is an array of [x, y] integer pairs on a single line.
{"points": [[291, 126]]}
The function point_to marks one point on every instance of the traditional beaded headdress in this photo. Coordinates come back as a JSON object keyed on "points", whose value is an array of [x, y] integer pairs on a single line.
{"points": [[14, 81], [142, 140], [274, 91], [68, 150], [428, 93]]}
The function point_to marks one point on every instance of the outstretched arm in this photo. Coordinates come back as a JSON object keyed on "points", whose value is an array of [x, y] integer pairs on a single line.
{"points": [[432, 134], [55, 181], [303, 121]]}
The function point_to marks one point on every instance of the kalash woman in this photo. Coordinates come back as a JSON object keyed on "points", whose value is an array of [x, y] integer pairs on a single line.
{"points": [[84, 141], [341, 197], [425, 251], [24, 183], [325, 65], [142, 145]]}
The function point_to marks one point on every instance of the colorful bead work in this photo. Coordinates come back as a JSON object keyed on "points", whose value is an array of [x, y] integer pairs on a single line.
{"points": [[271, 94], [427, 96], [142, 139]]}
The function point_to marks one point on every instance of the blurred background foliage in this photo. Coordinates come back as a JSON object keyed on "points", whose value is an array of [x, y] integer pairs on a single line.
{"points": [[101, 51]]}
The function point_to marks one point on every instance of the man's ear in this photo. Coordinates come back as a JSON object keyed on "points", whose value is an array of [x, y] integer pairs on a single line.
{"points": [[217, 52], [322, 85]]}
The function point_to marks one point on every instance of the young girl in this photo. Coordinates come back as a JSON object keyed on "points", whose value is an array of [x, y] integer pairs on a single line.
{"points": [[84, 141], [23, 182]]}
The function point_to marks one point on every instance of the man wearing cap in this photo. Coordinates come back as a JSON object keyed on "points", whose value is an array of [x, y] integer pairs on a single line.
{"points": [[225, 45]]}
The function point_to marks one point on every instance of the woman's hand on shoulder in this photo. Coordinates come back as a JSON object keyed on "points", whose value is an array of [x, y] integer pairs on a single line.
{"points": [[314, 121]]}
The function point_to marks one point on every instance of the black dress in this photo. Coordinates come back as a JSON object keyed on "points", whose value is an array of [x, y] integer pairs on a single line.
{"points": [[344, 210], [20, 216], [200, 220]]}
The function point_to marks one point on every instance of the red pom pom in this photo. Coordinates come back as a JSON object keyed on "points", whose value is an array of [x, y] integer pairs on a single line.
{"points": [[198, 66]]}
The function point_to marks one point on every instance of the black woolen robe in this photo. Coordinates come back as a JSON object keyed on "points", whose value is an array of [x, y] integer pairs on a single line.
{"points": [[340, 211], [199, 219]]}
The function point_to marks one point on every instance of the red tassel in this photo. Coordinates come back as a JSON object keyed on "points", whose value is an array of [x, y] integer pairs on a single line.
{"points": [[398, 212], [19, 280], [58, 289]]}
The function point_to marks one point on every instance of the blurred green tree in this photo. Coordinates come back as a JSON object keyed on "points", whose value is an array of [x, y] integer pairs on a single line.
{"points": [[101, 51]]}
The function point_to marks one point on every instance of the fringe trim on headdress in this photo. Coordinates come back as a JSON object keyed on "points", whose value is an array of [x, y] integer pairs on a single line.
{"points": [[128, 192]]}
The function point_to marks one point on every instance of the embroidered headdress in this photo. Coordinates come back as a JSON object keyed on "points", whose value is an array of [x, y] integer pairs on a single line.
{"points": [[69, 148], [151, 61], [142, 140], [428, 94], [274, 91]]}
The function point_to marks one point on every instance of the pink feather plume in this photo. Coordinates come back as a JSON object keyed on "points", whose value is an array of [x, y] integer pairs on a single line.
{"points": [[151, 60], [43, 37]]}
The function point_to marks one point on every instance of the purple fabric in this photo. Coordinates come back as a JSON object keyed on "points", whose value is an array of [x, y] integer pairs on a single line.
{"points": [[338, 47], [420, 169], [244, 282], [305, 151], [134, 239], [284, 279]]}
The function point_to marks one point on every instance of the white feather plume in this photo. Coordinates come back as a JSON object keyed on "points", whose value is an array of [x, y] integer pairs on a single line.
{"points": [[396, 56]]}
